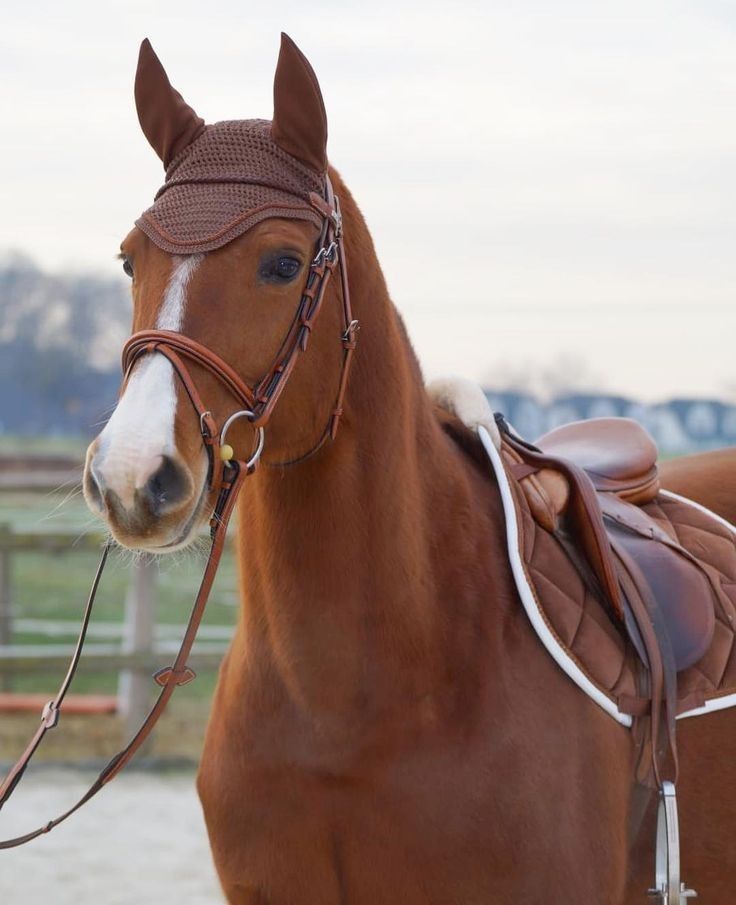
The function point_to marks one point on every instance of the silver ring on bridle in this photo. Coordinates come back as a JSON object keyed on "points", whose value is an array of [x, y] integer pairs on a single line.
{"points": [[260, 440]]}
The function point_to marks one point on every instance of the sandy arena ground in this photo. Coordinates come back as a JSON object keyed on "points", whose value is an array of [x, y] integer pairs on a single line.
{"points": [[141, 841]]}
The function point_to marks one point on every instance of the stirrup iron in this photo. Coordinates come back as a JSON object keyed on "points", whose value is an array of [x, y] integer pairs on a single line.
{"points": [[668, 890]]}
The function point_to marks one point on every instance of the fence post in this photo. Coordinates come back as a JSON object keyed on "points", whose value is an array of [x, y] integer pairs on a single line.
{"points": [[135, 686], [6, 600]]}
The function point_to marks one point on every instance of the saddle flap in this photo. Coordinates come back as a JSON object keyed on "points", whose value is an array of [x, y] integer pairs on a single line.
{"points": [[673, 562], [546, 490], [554, 489], [673, 577]]}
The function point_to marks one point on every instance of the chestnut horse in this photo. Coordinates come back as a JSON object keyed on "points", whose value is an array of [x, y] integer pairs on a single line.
{"points": [[387, 727]]}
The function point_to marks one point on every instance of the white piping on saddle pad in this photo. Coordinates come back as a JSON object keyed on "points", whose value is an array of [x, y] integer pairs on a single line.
{"points": [[468, 401], [728, 700], [556, 650], [548, 639]]}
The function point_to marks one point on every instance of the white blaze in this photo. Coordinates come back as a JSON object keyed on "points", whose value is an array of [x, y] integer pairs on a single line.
{"points": [[141, 428]]}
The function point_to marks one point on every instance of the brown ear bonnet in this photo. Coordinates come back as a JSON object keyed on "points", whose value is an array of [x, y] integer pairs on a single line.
{"points": [[222, 179]]}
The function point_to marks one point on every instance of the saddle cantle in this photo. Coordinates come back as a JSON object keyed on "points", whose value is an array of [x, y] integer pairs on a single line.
{"points": [[617, 454], [619, 577]]}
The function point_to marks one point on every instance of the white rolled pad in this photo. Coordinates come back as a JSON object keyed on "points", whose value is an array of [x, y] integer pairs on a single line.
{"points": [[466, 400]]}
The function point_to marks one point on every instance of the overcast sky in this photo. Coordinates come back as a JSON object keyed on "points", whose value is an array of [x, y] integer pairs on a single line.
{"points": [[551, 185]]}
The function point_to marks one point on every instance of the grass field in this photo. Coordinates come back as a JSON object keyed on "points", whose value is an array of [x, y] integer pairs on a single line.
{"points": [[11, 444], [55, 586]]}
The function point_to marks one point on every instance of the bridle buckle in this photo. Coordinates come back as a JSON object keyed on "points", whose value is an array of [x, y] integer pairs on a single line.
{"points": [[204, 427], [325, 255], [348, 337], [336, 218]]}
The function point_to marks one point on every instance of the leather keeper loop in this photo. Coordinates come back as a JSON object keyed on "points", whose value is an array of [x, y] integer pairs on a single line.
{"points": [[50, 715], [163, 676]]}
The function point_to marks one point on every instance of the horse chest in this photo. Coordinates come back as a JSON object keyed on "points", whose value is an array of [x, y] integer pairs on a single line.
{"points": [[425, 822]]}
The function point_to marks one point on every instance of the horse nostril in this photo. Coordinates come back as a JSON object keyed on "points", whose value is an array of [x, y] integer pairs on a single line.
{"points": [[94, 486], [167, 486]]}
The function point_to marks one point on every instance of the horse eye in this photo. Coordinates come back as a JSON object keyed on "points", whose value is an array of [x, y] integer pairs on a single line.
{"points": [[279, 268], [128, 267], [287, 268]]}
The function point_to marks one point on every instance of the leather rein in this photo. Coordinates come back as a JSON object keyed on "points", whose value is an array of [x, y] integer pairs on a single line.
{"points": [[226, 474]]}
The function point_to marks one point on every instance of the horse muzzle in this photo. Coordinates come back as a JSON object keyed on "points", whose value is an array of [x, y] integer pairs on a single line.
{"points": [[150, 502]]}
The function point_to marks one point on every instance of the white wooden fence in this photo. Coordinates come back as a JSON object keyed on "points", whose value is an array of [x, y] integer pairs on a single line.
{"points": [[134, 648]]}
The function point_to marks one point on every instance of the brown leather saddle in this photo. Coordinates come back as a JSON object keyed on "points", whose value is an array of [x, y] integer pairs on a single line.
{"points": [[619, 459], [588, 501]]}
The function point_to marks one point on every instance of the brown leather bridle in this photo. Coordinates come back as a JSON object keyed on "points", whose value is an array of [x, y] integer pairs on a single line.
{"points": [[225, 475]]}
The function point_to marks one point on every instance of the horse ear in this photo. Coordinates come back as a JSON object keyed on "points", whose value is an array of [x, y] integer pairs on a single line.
{"points": [[168, 122], [299, 120]]}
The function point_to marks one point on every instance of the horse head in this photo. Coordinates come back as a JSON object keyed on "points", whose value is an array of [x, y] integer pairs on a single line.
{"points": [[224, 258]]}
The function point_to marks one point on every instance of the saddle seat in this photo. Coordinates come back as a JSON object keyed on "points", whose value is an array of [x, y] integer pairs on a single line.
{"points": [[591, 484], [617, 454]]}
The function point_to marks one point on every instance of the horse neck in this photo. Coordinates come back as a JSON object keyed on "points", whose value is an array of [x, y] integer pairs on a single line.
{"points": [[347, 559]]}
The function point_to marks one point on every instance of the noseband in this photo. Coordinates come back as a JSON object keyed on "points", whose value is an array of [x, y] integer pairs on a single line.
{"points": [[225, 475]]}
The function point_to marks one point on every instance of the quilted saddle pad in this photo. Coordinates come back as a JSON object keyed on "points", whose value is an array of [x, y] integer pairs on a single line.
{"points": [[575, 626]]}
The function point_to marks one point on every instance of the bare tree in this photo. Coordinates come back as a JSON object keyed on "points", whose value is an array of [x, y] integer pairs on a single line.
{"points": [[566, 374]]}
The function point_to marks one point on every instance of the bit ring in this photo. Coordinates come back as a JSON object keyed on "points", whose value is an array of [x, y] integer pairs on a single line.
{"points": [[260, 439]]}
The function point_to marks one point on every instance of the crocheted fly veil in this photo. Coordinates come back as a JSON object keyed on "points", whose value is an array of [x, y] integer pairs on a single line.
{"points": [[222, 179]]}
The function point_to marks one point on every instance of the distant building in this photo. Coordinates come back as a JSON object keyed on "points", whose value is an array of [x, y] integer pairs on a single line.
{"points": [[678, 426]]}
